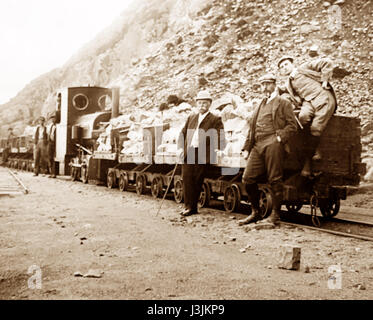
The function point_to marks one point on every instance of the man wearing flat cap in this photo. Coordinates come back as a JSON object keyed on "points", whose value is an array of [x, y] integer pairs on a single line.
{"points": [[310, 92], [41, 142], [52, 146], [201, 136], [272, 125]]}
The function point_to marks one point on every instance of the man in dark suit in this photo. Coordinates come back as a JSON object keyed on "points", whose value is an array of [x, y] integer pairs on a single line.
{"points": [[52, 146], [41, 142], [201, 136], [272, 125]]}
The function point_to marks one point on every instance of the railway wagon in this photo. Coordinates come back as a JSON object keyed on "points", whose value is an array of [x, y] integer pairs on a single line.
{"points": [[20, 152], [84, 113], [339, 167]]}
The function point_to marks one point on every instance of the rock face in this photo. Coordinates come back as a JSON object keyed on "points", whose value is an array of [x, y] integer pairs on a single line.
{"points": [[176, 47]]}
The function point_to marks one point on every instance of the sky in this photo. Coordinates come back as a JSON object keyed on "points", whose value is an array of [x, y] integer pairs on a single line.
{"points": [[37, 36]]}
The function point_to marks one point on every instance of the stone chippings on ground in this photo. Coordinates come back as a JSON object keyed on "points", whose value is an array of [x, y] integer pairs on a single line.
{"points": [[103, 244]]}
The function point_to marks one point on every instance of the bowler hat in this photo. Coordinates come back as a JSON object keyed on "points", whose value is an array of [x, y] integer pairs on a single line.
{"points": [[204, 95]]}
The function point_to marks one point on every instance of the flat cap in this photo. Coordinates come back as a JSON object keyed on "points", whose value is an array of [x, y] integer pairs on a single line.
{"points": [[283, 58], [269, 77]]}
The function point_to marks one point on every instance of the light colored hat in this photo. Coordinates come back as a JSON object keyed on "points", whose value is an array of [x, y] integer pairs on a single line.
{"points": [[269, 77], [283, 58], [204, 95]]}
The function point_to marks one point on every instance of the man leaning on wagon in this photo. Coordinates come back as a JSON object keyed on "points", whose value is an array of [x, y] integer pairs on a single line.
{"points": [[309, 90], [272, 125]]}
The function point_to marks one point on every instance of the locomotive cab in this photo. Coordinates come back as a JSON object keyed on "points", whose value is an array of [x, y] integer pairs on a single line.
{"points": [[81, 109]]}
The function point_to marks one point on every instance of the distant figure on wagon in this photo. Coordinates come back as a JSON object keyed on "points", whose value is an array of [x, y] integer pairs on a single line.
{"points": [[201, 136], [52, 146], [272, 125], [41, 143], [309, 90]]}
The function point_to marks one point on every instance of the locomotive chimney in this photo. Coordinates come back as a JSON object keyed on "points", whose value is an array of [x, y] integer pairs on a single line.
{"points": [[115, 102]]}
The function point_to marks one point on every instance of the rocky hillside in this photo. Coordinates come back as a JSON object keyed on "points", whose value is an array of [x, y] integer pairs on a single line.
{"points": [[175, 47]]}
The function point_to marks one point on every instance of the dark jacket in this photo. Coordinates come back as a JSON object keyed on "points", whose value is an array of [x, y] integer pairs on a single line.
{"points": [[36, 137], [283, 119], [215, 139]]}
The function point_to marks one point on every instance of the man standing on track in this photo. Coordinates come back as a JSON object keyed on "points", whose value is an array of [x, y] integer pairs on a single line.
{"points": [[41, 142], [201, 136], [273, 124], [52, 146]]}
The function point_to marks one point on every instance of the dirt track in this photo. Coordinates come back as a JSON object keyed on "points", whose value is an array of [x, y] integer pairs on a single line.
{"points": [[144, 256]]}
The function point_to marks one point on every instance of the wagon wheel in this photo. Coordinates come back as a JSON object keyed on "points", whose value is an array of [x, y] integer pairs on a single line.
{"points": [[232, 198], [178, 191], [123, 182], [157, 187], [140, 184], [110, 180], [84, 174], [294, 207], [205, 195], [265, 202], [329, 207]]}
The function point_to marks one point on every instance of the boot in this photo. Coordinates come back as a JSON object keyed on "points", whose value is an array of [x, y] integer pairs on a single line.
{"points": [[317, 156], [306, 171], [274, 218], [314, 142], [253, 217]]}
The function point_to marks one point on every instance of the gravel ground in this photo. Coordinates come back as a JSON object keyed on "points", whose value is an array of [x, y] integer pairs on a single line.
{"points": [[124, 251]]}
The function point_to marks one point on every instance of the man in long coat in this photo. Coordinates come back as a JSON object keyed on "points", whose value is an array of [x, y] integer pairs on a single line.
{"points": [[201, 136]]}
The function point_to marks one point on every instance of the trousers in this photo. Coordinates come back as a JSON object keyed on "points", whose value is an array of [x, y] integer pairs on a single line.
{"points": [[40, 152], [51, 153], [318, 112], [266, 157]]}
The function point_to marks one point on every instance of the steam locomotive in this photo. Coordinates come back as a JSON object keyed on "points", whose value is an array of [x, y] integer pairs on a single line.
{"points": [[85, 112]]}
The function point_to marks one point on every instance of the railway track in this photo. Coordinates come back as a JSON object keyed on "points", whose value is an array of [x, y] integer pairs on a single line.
{"points": [[342, 227], [10, 184]]}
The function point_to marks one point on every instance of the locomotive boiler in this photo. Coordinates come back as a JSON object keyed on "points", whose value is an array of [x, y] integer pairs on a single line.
{"points": [[81, 112]]}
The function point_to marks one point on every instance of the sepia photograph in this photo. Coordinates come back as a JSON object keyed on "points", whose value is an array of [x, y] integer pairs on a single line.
{"points": [[184, 154]]}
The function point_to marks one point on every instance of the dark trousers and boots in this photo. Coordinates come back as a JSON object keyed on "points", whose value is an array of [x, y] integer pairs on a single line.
{"points": [[266, 157], [193, 176], [310, 153], [51, 163], [40, 151]]}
